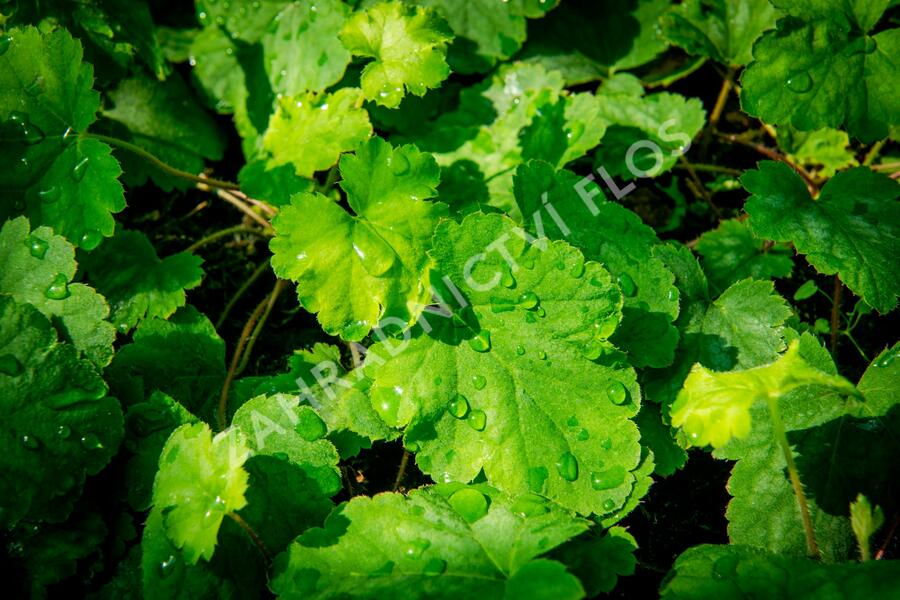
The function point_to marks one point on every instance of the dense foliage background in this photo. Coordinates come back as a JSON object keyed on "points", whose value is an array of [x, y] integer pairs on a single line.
{"points": [[592, 297]]}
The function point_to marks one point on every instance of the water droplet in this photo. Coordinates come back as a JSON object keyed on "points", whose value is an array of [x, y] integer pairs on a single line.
{"points": [[399, 163], [605, 326], [609, 505], [567, 466], [606, 443], [541, 312], [520, 350], [63, 431], [583, 435], [800, 83], [542, 355], [386, 402], [592, 350], [529, 505], [537, 476], [572, 421], [528, 300], [90, 239], [50, 195], [10, 365], [310, 426], [458, 407], [481, 342], [608, 478], [5, 41], [507, 280], [36, 86], [58, 288], [576, 130], [627, 285], [167, 567], [469, 503], [29, 442], [477, 420], [528, 263], [80, 168], [479, 382], [616, 392], [577, 269], [91, 442], [434, 567], [416, 548], [374, 253], [888, 358], [21, 167]]}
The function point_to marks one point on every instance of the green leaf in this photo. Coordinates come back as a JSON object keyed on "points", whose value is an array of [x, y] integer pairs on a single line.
{"points": [[852, 228], [709, 571], [662, 125], [865, 520], [137, 283], [59, 425], [488, 379], [657, 435], [244, 20], [487, 32], [310, 130], [38, 269], [428, 545], [820, 68], [599, 561], [826, 150], [183, 357], [622, 244], [201, 479], [408, 45], [275, 186], [277, 426], [301, 48], [721, 30], [58, 179], [742, 328], [355, 269], [714, 407], [731, 252], [165, 119], [585, 39]]}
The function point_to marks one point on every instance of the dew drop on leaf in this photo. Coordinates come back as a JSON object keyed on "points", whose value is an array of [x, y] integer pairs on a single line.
{"points": [[91, 442], [58, 288], [386, 402], [10, 365], [29, 442], [542, 355], [606, 444], [5, 41], [80, 168], [477, 420], [37, 246], [608, 504], [520, 350], [416, 548], [434, 567], [583, 435], [608, 478], [479, 382], [529, 505], [627, 285], [376, 256], [49, 195], [166, 567], [63, 431], [501, 305], [567, 466], [399, 163], [469, 503], [800, 83], [481, 342], [459, 407], [536, 478], [528, 300], [507, 280], [36, 87], [572, 421], [616, 392], [90, 239]]}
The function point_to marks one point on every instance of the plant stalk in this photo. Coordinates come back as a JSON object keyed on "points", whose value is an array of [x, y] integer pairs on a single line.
{"points": [[253, 535], [223, 233], [836, 315]]}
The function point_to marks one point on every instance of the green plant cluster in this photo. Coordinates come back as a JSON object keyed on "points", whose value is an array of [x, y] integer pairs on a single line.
{"points": [[545, 254]]}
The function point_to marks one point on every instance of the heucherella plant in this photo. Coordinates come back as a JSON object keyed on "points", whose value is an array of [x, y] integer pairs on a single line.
{"points": [[446, 299]]}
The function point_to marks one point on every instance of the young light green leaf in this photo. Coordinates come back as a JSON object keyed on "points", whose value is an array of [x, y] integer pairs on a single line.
{"points": [[137, 283], [165, 119], [431, 544], [59, 424], [824, 150], [722, 30], [355, 269], [802, 70], [488, 378], [731, 252], [714, 407], [38, 269], [301, 48], [62, 181], [201, 479], [852, 228], [559, 205], [409, 45], [310, 131], [709, 571], [244, 20], [865, 520]]}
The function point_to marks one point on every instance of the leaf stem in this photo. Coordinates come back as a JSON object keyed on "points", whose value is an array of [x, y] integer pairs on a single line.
{"points": [[238, 203], [253, 535], [887, 539], [716, 113], [222, 413], [712, 169], [778, 426], [241, 291], [218, 183], [873, 153], [223, 233], [836, 315], [401, 472], [248, 350], [700, 190], [774, 155]]}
